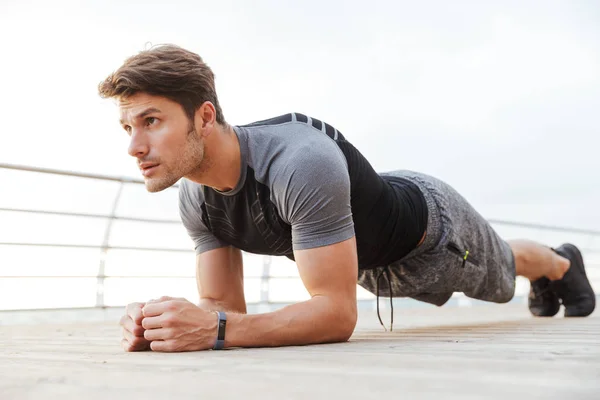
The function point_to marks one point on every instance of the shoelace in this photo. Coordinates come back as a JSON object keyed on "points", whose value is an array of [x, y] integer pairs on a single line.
{"points": [[539, 293], [387, 273], [557, 287]]}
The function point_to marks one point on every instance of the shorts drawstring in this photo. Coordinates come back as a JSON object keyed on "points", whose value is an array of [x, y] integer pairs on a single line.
{"points": [[387, 273]]}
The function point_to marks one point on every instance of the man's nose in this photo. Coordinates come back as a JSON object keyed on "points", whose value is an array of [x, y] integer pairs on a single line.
{"points": [[138, 145]]}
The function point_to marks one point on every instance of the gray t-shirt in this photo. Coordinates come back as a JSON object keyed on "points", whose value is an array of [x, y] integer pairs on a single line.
{"points": [[303, 185], [293, 174]]}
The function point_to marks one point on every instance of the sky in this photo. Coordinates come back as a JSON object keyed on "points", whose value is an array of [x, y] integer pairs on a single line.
{"points": [[499, 99]]}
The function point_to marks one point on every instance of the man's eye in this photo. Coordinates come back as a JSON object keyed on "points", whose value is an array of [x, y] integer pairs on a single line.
{"points": [[151, 120]]}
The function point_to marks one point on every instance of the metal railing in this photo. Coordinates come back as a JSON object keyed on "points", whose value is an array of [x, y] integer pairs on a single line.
{"points": [[111, 217]]}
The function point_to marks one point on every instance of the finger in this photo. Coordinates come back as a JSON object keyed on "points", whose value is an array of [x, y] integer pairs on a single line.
{"points": [[158, 334], [159, 321], [128, 336], [162, 346], [136, 343], [131, 306], [134, 311], [135, 335], [125, 345], [155, 309], [129, 325]]}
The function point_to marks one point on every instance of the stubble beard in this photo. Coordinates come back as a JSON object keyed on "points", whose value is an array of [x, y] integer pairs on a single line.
{"points": [[191, 160]]}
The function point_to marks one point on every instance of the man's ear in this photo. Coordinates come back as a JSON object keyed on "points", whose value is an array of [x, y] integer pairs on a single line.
{"points": [[205, 116]]}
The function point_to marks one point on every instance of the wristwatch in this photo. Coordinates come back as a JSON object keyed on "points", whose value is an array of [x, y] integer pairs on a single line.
{"points": [[220, 343]]}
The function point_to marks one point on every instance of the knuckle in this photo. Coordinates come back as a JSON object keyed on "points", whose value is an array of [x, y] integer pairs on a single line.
{"points": [[125, 322], [137, 316]]}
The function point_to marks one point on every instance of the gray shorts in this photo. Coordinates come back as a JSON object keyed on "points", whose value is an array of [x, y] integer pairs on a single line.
{"points": [[441, 265]]}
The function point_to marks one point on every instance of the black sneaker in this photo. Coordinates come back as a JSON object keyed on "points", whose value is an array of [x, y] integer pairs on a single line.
{"points": [[542, 301], [574, 289]]}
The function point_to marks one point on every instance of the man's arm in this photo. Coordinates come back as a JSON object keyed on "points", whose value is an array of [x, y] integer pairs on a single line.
{"points": [[219, 269], [319, 212], [329, 274], [220, 280]]}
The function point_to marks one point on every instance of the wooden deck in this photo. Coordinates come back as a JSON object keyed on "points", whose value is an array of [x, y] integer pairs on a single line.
{"points": [[491, 352]]}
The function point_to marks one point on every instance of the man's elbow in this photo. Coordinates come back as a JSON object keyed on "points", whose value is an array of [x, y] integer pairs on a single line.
{"points": [[346, 325]]}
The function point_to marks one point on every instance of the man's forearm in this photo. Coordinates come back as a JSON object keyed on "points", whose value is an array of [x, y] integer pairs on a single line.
{"points": [[318, 320]]}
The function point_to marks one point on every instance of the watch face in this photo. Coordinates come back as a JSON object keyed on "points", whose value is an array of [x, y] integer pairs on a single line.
{"points": [[221, 331]]}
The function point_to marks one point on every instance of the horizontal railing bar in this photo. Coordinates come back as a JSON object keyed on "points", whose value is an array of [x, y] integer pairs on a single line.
{"points": [[85, 215], [80, 308], [130, 276], [85, 246], [172, 221], [70, 173], [139, 181], [545, 227]]}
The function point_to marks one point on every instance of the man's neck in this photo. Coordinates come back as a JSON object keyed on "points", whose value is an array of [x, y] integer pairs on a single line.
{"points": [[222, 160]]}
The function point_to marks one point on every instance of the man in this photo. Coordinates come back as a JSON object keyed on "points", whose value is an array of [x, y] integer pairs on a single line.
{"points": [[294, 186]]}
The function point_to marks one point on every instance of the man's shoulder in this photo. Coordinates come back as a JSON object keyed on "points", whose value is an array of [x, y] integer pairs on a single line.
{"points": [[278, 146], [190, 193], [274, 121], [290, 122]]}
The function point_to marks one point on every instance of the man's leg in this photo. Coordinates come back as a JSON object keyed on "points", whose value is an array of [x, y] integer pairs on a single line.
{"points": [[556, 275], [463, 253], [534, 261]]}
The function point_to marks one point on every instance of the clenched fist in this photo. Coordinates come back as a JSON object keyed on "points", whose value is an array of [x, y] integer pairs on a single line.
{"points": [[175, 324], [133, 332]]}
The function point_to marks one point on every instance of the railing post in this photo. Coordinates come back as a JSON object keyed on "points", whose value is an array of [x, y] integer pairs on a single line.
{"points": [[104, 250], [264, 281]]}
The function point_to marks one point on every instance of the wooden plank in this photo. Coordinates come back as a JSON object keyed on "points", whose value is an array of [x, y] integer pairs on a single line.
{"points": [[496, 352]]}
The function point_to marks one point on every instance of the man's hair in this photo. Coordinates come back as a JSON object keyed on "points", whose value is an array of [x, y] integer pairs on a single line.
{"points": [[168, 71]]}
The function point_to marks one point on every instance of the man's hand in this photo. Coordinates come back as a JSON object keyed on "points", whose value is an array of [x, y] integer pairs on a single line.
{"points": [[133, 332], [173, 325]]}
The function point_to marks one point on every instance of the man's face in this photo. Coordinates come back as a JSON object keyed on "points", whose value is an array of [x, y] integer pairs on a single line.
{"points": [[162, 138]]}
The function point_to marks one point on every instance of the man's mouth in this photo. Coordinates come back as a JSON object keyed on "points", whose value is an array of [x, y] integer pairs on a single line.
{"points": [[148, 168]]}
